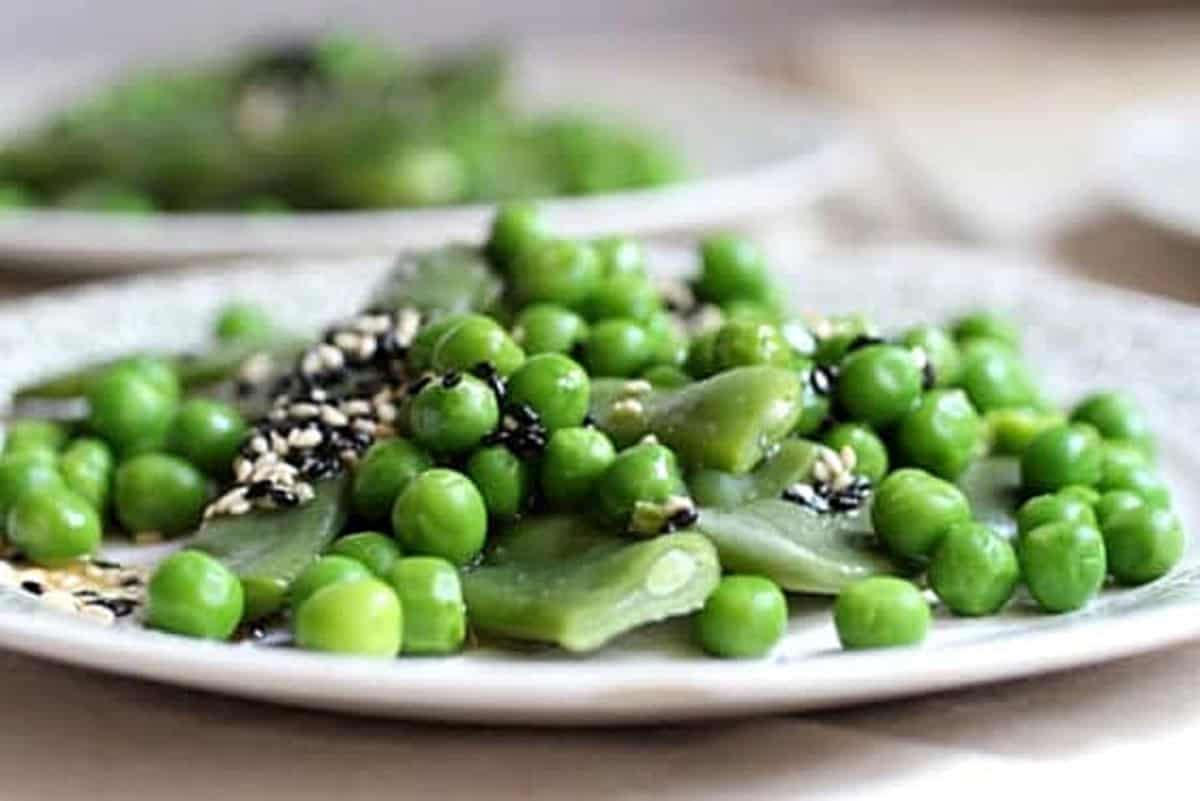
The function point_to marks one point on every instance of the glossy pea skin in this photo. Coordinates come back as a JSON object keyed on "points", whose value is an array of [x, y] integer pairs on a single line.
{"points": [[1063, 564], [455, 417], [362, 617], [732, 268], [1061, 456], [322, 572], [381, 475], [516, 227], [572, 464], [157, 492], [880, 612], [814, 406], [159, 372], [974, 571], [646, 472], [503, 479], [1087, 495], [243, 322], [1117, 417], [208, 434], [837, 333], [374, 549], [1009, 431], [987, 325], [193, 594], [620, 256], [441, 513], [549, 328], [670, 340], [1142, 543], [555, 387], [618, 348], [435, 619], [420, 351], [940, 349], [54, 525], [1135, 478], [1053, 508], [87, 467], [129, 411], [741, 343], [27, 435], [994, 377], [941, 434], [878, 384], [628, 296], [664, 376], [474, 340], [871, 456], [23, 473], [556, 271], [1115, 501], [912, 510], [743, 618]]}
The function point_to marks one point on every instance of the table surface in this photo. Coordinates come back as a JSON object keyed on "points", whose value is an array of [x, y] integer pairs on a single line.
{"points": [[67, 733]]}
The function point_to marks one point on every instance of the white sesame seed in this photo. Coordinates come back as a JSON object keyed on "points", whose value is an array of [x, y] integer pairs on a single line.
{"points": [[330, 357], [649, 439], [332, 417], [628, 406], [347, 340], [305, 492], [386, 412], [356, 407], [93, 572], [95, 613], [637, 387], [371, 323], [239, 507], [303, 411], [279, 445], [62, 601], [349, 457], [65, 580], [676, 504], [842, 481], [258, 444], [256, 369], [821, 471], [849, 457], [318, 395], [241, 469], [365, 426], [366, 349], [304, 438], [277, 415], [8, 575], [407, 323], [311, 363]]}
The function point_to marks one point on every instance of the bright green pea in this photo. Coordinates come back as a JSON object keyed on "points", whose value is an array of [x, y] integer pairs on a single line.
{"points": [[732, 268], [912, 510], [1115, 501], [974, 571], [129, 412], [420, 352], [87, 467], [1087, 495], [838, 333], [361, 616], [870, 454], [743, 618], [994, 377], [1063, 564], [620, 257], [1136, 478], [193, 594], [572, 464], [376, 550], [644, 473], [814, 405], [619, 348], [631, 297], [1009, 431], [556, 271], [880, 612], [941, 434], [53, 525], [208, 434], [741, 343], [441, 513], [502, 478], [1142, 543], [474, 340], [987, 325], [159, 372], [1053, 508], [24, 473], [382, 474], [1117, 417], [940, 349], [454, 415], [547, 328], [555, 387], [26, 435], [156, 492], [322, 572], [671, 343], [435, 620], [878, 384], [516, 227], [243, 322], [1061, 456]]}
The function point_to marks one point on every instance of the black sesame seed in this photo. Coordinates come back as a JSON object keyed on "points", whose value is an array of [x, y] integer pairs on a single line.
{"points": [[863, 341], [525, 414], [682, 519], [258, 489], [419, 384], [452, 379], [105, 564], [928, 376], [120, 607], [131, 581], [284, 497], [32, 587], [589, 420], [822, 379]]}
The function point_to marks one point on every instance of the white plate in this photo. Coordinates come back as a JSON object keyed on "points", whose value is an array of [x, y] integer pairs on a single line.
{"points": [[1151, 158], [753, 152], [1079, 334]]}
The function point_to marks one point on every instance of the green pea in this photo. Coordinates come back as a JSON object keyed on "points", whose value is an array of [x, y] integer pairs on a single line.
{"points": [[87, 467], [994, 377], [619, 348], [53, 525], [156, 492], [664, 376], [361, 616], [474, 340], [129, 412], [557, 271], [743, 618], [572, 464], [1115, 501], [547, 328], [913, 510], [974, 571], [870, 454], [1125, 454], [322, 572], [208, 434], [159, 372], [620, 257], [26, 435], [732, 268], [382, 474], [555, 387], [1064, 455], [243, 322], [24, 473], [671, 343], [749, 311], [435, 620], [1142, 543], [1136, 478], [644, 473], [1009, 431], [453, 415], [515, 228], [1053, 508], [376, 550], [193, 594], [629, 296], [837, 333], [441, 513], [880, 612], [743, 343], [1117, 417], [987, 325], [878, 384], [940, 350], [420, 352], [1063, 564], [941, 434], [1087, 495], [502, 478], [814, 405]]}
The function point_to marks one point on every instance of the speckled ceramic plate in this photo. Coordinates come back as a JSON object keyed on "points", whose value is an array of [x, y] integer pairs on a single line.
{"points": [[1078, 334], [752, 151]]}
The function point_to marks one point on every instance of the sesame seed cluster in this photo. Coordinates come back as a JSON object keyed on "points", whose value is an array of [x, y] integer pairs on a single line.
{"points": [[95, 590], [834, 487]]}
